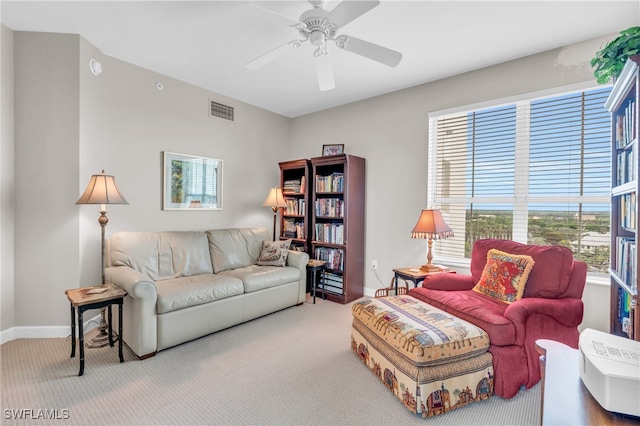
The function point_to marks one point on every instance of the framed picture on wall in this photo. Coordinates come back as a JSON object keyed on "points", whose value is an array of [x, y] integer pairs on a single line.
{"points": [[335, 149], [191, 182]]}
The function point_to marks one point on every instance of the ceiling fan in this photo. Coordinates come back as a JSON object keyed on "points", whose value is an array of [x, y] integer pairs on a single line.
{"points": [[318, 26]]}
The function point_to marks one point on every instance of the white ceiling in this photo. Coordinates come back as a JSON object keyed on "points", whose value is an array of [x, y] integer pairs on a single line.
{"points": [[207, 43]]}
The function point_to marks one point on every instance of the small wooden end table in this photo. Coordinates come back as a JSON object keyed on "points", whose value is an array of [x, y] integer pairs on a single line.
{"points": [[95, 297], [415, 275], [314, 266]]}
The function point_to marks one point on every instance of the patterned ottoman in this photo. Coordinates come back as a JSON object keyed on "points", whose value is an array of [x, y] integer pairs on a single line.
{"points": [[432, 361]]}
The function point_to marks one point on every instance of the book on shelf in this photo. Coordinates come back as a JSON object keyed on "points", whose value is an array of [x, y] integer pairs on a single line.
{"points": [[330, 183], [628, 204], [334, 257], [626, 261], [295, 206], [292, 186], [331, 233], [625, 127], [292, 228], [330, 207], [333, 282], [626, 161]]}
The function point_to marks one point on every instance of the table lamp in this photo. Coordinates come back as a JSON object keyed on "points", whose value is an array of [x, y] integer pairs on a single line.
{"points": [[431, 225], [275, 200], [102, 190]]}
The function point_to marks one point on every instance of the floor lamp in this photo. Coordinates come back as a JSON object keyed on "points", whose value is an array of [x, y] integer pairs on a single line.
{"points": [[431, 225], [102, 190], [275, 200]]}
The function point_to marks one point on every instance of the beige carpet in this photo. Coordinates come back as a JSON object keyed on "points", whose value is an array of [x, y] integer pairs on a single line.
{"points": [[294, 367]]}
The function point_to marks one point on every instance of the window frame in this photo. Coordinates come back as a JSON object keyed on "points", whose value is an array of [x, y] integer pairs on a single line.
{"points": [[522, 167]]}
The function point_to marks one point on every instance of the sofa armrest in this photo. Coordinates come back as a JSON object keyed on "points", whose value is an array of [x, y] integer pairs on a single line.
{"points": [[140, 323], [137, 284], [299, 259], [567, 311], [448, 282]]}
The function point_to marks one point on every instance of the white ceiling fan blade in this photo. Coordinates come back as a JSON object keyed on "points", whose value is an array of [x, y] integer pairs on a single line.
{"points": [[250, 8], [273, 54], [369, 50], [347, 11], [324, 69]]}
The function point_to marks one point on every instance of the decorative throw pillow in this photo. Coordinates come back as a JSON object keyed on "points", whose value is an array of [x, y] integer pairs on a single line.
{"points": [[504, 276], [274, 253]]}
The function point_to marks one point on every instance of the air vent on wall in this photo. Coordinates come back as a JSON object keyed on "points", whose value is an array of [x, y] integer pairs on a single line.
{"points": [[220, 110]]}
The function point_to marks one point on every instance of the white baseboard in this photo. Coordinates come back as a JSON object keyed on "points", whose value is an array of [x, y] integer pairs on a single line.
{"points": [[45, 332]]}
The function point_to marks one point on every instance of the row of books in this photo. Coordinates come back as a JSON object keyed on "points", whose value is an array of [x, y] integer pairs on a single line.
{"points": [[334, 257], [625, 308], [628, 205], [626, 261], [333, 283], [295, 206], [626, 125], [293, 229], [331, 183], [294, 185], [332, 207], [626, 160], [330, 233]]}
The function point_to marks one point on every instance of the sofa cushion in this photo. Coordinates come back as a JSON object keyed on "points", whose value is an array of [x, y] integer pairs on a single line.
{"points": [[162, 255], [485, 312], [549, 279], [504, 276], [183, 292], [235, 248], [274, 253], [257, 277]]}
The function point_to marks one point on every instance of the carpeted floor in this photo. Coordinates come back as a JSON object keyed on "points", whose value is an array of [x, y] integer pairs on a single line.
{"points": [[294, 367]]}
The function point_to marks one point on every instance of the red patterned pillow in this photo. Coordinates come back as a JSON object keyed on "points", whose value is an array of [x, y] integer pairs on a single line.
{"points": [[504, 276]]}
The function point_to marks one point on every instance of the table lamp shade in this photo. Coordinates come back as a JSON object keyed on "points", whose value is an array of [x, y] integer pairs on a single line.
{"points": [[102, 189], [431, 225]]}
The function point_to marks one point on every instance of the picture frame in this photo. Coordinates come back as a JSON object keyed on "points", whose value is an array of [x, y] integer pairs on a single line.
{"points": [[333, 149], [191, 182]]}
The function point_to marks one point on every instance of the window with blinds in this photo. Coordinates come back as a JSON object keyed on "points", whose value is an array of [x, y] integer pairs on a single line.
{"points": [[535, 171]]}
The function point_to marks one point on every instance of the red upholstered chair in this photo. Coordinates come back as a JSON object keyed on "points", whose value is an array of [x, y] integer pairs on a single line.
{"points": [[551, 308]]}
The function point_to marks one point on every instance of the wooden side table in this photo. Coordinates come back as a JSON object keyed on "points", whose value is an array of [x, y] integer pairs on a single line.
{"points": [[314, 266], [94, 297], [415, 275]]}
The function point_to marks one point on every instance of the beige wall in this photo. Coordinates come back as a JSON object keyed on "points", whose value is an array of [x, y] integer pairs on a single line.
{"points": [[70, 124], [6, 180]]}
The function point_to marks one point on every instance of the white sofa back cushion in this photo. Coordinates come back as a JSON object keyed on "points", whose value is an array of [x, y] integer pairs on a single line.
{"points": [[235, 248], [162, 255]]}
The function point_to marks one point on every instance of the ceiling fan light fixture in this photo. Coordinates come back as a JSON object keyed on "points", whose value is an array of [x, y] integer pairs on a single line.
{"points": [[317, 38]]}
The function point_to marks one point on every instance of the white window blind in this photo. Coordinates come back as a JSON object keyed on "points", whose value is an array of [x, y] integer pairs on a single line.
{"points": [[534, 171]]}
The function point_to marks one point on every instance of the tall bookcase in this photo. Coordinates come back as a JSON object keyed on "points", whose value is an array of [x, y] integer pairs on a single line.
{"points": [[338, 224], [295, 221], [623, 105]]}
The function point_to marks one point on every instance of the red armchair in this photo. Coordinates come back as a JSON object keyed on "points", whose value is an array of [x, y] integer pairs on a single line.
{"points": [[551, 308]]}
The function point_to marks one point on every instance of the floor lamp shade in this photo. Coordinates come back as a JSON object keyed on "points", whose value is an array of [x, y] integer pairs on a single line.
{"points": [[431, 226], [275, 200], [102, 189]]}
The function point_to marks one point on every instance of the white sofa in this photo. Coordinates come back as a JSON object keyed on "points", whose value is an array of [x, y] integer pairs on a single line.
{"points": [[183, 285]]}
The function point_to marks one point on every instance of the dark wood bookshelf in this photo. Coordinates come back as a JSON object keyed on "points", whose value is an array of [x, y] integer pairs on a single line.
{"points": [[623, 105], [346, 230], [291, 172]]}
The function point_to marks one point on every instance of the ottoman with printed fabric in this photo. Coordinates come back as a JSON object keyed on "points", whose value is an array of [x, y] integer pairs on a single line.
{"points": [[432, 361]]}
